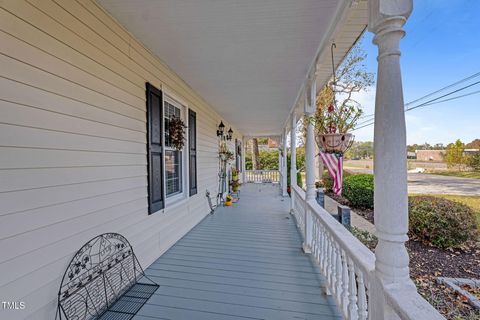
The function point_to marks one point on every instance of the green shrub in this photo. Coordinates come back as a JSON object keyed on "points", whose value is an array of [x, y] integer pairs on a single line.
{"points": [[358, 189], [328, 181], [299, 179], [440, 222]]}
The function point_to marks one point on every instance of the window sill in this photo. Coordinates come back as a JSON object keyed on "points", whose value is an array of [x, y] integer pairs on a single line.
{"points": [[175, 201]]}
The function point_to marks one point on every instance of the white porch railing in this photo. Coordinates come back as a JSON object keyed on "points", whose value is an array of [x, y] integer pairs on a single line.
{"points": [[262, 176], [349, 268]]}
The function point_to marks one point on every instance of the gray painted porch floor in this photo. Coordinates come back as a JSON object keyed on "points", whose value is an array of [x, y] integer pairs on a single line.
{"points": [[243, 262]]}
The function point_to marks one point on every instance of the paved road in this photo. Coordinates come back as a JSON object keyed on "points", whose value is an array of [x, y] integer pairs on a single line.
{"points": [[434, 184], [430, 183]]}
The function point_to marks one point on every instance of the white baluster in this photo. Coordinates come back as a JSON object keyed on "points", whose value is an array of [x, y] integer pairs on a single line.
{"points": [[344, 303], [315, 237], [328, 265], [352, 292], [362, 298], [324, 251], [339, 280], [333, 275]]}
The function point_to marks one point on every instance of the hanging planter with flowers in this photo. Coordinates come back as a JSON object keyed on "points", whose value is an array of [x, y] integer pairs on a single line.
{"points": [[332, 125], [334, 121], [224, 154], [176, 132]]}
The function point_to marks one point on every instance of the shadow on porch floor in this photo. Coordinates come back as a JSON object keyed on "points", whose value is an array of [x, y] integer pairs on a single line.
{"points": [[243, 262]]}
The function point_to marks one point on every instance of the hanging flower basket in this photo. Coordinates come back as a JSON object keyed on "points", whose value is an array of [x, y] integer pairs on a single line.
{"points": [[334, 142], [226, 155]]}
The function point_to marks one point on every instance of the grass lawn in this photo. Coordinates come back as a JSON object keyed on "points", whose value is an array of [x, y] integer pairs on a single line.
{"points": [[471, 201], [462, 174]]}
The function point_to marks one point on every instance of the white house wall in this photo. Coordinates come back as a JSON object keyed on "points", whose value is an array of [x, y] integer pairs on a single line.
{"points": [[73, 160]]}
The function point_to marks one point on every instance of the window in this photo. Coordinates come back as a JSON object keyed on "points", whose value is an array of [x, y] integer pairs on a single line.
{"points": [[167, 166], [173, 157]]}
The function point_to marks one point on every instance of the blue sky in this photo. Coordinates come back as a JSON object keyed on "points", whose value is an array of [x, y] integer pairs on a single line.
{"points": [[441, 46]]}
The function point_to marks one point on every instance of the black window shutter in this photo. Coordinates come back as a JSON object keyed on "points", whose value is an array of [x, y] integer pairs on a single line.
{"points": [[192, 151], [155, 149]]}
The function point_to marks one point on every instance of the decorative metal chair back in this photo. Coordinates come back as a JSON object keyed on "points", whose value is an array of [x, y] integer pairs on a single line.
{"points": [[103, 270]]}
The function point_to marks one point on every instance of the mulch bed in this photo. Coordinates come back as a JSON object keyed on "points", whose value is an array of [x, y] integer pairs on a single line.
{"points": [[364, 212], [427, 263]]}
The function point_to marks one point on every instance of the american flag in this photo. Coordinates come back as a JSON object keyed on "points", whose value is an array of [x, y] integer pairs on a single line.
{"points": [[334, 164]]}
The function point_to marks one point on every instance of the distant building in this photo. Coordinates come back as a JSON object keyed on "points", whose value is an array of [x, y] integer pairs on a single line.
{"points": [[272, 144], [471, 151], [430, 155], [411, 155]]}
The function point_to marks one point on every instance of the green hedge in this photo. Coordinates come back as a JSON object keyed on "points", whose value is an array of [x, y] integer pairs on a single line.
{"points": [[441, 222], [358, 189], [327, 180]]}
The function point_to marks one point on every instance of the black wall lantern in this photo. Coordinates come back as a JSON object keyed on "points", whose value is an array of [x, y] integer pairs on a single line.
{"points": [[221, 130]]}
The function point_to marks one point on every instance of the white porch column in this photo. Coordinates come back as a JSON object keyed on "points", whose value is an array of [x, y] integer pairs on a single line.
{"points": [[293, 160], [309, 158], [284, 164], [244, 150], [386, 20], [310, 144], [280, 163]]}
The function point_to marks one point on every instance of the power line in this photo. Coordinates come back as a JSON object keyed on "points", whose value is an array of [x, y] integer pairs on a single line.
{"points": [[432, 93], [443, 96], [428, 103], [454, 98]]}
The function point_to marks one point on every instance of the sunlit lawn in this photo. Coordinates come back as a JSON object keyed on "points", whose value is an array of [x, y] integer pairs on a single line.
{"points": [[462, 174]]}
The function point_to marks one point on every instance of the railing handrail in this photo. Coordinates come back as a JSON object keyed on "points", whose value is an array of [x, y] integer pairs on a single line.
{"points": [[408, 304], [355, 249], [300, 192], [405, 302], [360, 254], [263, 171]]}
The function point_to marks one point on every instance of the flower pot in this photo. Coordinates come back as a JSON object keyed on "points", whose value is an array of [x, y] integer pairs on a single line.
{"points": [[334, 142], [228, 203]]}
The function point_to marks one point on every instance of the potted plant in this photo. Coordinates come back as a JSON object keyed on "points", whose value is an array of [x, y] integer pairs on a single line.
{"points": [[228, 200], [235, 183], [332, 126], [176, 132]]}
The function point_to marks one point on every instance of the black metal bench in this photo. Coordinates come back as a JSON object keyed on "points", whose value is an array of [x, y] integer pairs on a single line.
{"points": [[104, 280]]}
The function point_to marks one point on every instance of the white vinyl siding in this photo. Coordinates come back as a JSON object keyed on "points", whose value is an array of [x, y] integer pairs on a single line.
{"points": [[73, 161]]}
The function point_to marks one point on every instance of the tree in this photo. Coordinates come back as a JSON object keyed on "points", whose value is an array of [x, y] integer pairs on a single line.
{"points": [[351, 77], [454, 155], [267, 160], [360, 150], [475, 144], [473, 161]]}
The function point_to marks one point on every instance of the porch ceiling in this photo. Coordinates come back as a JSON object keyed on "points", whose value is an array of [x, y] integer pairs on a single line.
{"points": [[248, 58]]}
